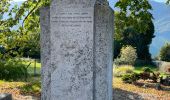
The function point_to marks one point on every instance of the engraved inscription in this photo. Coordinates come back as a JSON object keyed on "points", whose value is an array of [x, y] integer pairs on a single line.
{"points": [[72, 19]]}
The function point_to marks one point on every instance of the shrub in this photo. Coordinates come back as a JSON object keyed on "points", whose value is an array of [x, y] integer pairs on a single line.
{"points": [[128, 56], [12, 70], [122, 70], [130, 78], [147, 70], [165, 52]]}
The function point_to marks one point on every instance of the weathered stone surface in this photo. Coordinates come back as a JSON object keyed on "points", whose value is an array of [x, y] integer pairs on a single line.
{"points": [[72, 50], [45, 53], [103, 51], [77, 37], [5, 96]]}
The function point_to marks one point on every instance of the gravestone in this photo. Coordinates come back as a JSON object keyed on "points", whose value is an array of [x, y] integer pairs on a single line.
{"points": [[76, 50]]}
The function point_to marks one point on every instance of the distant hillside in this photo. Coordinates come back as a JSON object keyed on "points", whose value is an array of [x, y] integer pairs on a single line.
{"points": [[161, 14]]}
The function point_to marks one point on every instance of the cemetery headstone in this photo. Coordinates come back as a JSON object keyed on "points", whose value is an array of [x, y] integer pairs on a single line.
{"points": [[77, 50]]}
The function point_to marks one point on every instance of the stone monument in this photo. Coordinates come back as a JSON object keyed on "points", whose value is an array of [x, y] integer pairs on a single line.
{"points": [[76, 50]]}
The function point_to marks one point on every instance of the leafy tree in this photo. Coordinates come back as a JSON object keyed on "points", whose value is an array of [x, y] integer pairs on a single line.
{"points": [[134, 26], [165, 52], [20, 31]]}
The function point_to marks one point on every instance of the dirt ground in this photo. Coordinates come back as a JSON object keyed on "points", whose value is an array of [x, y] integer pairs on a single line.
{"points": [[138, 91], [14, 88], [121, 91]]}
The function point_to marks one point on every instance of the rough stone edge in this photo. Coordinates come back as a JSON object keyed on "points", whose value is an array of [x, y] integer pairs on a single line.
{"points": [[110, 69], [45, 52]]}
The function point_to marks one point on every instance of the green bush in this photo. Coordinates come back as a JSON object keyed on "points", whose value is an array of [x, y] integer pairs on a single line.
{"points": [[12, 70], [128, 56], [122, 70], [147, 70], [130, 78], [165, 53]]}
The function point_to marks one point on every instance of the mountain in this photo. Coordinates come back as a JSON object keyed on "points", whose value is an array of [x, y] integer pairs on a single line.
{"points": [[161, 14]]}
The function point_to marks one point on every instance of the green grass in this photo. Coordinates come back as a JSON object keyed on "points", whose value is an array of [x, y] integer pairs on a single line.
{"points": [[138, 69], [2, 82], [31, 67]]}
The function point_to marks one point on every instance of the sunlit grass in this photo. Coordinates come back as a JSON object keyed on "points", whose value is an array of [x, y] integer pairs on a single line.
{"points": [[30, 64], [138, 69]]}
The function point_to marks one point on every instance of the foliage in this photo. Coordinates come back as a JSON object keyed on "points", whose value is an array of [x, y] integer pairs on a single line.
{"points": [[122, 70], [12, 70], [165, 52], [135, 13], [139, 69], [168, 2], [134, 26], [20, 31], [4, 6], [130, 78], [147, 69], [128, 56], [146, 74]]}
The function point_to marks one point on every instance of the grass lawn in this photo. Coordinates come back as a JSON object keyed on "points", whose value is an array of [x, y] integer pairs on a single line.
{"points": [[31, 67], [138, 69]]}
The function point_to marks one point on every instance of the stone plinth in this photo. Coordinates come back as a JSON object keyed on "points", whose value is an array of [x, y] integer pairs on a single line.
{"points": [[76, 50]]}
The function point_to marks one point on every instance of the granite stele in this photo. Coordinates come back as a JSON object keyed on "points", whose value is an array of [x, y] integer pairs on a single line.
{"points": [[76, 50]]}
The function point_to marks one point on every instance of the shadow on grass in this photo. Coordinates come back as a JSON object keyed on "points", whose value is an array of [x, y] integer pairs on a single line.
{"points": [[119, 94]]}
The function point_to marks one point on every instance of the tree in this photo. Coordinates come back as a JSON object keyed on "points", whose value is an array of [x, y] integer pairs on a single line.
{"points": [[165, 52], [134, 26], [24, 39]]}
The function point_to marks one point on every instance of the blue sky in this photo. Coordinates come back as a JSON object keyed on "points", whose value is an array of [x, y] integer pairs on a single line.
{"points": [[160, 0], [109, 0]]}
